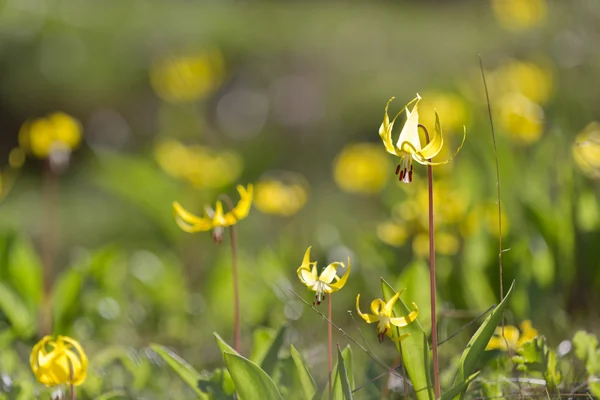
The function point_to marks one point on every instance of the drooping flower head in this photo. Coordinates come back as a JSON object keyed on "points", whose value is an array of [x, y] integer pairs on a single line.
{"points": [[327, 282], [59, 361], [215, 219], [408, 147], [383, 314]]}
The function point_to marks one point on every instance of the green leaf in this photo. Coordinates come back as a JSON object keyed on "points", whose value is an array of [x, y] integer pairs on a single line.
{"points": [[262, 338], [309, 387], [65, 294], [25, 270], [585, 344], [459, 388], [272, 357], [337, 388], [19, 316], [415, 349], [185, 371], [251, 382], [225, 348], [469, 360], [343, 376]]}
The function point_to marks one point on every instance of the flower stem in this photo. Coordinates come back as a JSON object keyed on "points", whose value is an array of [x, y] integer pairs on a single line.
{"points": [[432, 286], [236, 294], [72, 378], [50, 200], [329, 343]]}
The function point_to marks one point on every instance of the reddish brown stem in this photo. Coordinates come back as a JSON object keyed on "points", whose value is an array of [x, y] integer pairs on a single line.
{"points": [[432, 285], [329, 343]]}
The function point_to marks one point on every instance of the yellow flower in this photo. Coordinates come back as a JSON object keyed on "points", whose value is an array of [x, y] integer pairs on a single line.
{"points": [[361, 168], [215, 219], [409, 147], [199, 165], [59, 361], [383, 314], [586, 150], [327, 282], [277, 197], [186, 78], [512, 336], [519, 14], [42, 136], [521, 118]]}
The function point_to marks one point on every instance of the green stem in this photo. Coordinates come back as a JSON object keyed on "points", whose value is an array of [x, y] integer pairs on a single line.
{"points": [[236, 291]]}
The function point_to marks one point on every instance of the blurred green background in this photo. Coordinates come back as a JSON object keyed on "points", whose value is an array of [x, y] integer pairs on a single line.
{"points": [[182, 100]]}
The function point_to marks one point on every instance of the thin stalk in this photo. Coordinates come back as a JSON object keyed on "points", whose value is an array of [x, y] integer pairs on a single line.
{"points": [[236, 291], [432, 286], [71, 381], [329, 343], [49, 200]]}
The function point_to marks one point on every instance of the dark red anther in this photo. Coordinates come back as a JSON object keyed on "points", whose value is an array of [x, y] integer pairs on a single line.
{"points": [[402, 173], [397, 169], [410, 175]]}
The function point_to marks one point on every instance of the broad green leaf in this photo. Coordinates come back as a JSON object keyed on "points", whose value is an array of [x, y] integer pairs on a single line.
{"points": [[343, 376], [262, 338], [272, 357], [251, 382], [415, 350], [459, 388], [65, 294], [225, 348], [585, 344], [469, 360], [309, 387], [185, 371], [19, 316], [25, 270], [337, 389]]}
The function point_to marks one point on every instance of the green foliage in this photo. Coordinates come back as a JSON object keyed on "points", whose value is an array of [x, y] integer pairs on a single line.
{"points": [[309, 387], [469, 361], [414, 349], [535, 355], [185, 371]]}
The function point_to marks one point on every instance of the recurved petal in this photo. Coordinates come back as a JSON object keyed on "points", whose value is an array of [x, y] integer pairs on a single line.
{"points": [[80, 357], [436, 143], [242, 208], [342, 281], [423, 160], [385, 131], [389, 306], [307, 277], [188, 221], [367, 317], [377, 306], [403, 321]]}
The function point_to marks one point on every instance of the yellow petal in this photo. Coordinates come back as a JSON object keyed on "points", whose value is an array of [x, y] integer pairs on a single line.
{"points": [[499, 341], [342, 281], [389, 306], [189, 222], [435, 144], [242, 209], [409, 141], [80, 373], [367, 317], [385, 131], [219, 219], [377, 306], [423, 160], [528, 333], [403, 321], [305, 274], [400, 338]]}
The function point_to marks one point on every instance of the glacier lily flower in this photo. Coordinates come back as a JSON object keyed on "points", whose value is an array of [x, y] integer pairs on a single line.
{"points": [[59, 361], [383, 314], [408, 147], [512, 337], [215, 219], [327, 282]]}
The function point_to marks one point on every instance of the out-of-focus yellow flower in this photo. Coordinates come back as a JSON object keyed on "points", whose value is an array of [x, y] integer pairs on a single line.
{"points": [[383, 314], [187, 78], [59, 361], [408, 147], [57, 132], [517, 15], [521, 118], [327, 282], [586, 150], [361, 168], [512, 336], [451, 108], [445, 243], [392, 233], [199, 165], [274, 196], [531, 80], [215, 219]]}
